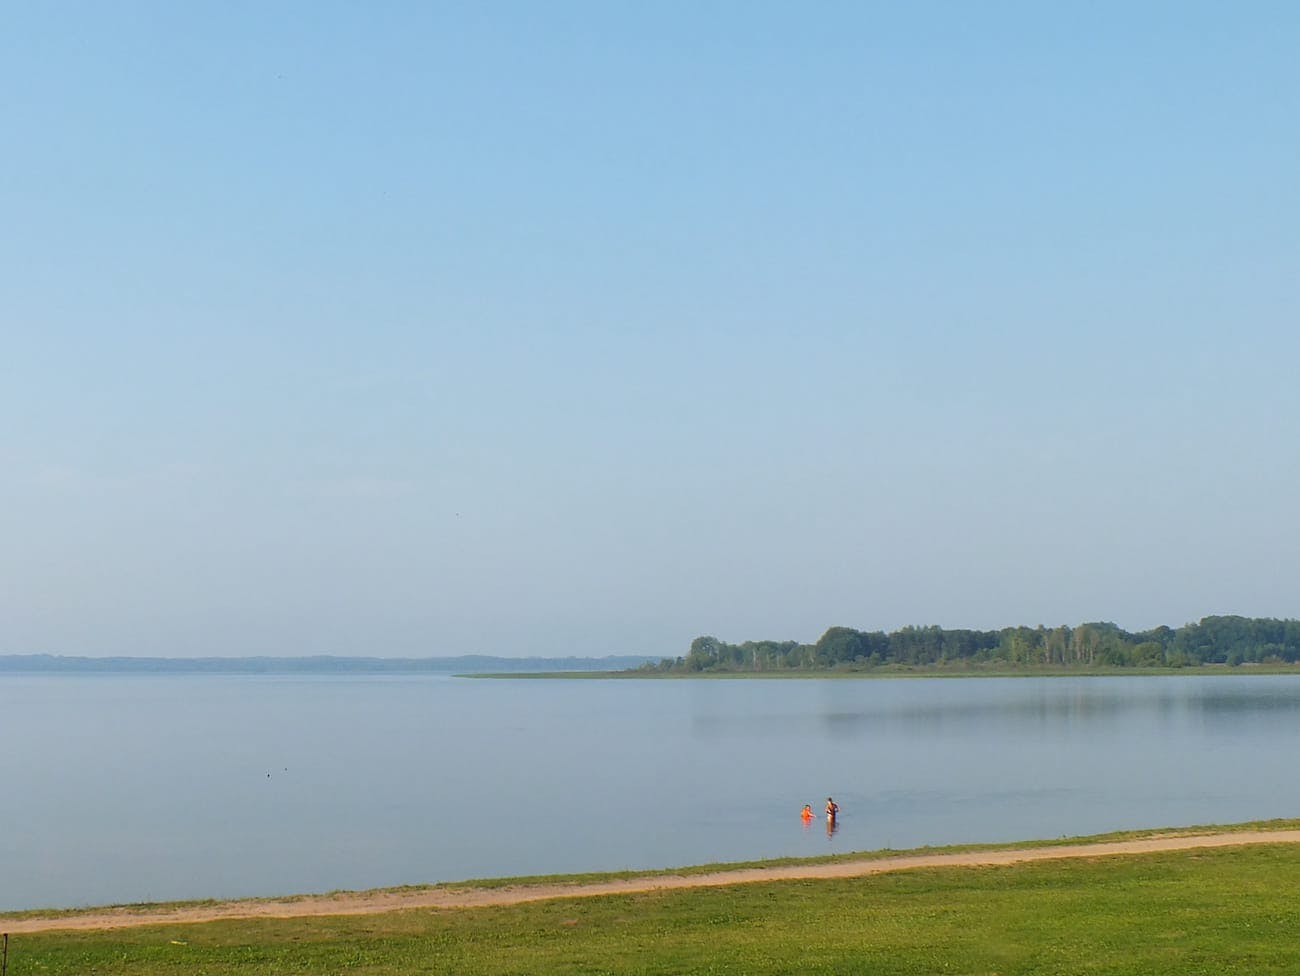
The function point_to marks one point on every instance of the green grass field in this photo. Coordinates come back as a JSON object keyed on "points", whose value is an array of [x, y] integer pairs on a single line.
{"points": [[1201, 911]]}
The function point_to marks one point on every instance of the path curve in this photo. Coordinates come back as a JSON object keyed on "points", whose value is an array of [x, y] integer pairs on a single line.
{"points": [[373, 902]]}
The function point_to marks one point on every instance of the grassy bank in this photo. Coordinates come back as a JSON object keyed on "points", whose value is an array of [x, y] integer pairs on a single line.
{"points": [[1200, 911]]}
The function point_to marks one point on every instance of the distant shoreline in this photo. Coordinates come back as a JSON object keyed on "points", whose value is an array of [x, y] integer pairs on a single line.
{"points": [[624, 667], [314, 664], [897, 672]]}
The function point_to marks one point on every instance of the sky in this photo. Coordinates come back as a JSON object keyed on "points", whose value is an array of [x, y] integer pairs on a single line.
{"points": [[422, 329]]}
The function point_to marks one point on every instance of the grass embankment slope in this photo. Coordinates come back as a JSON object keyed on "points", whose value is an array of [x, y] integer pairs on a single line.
{"points": [[1200, 910]]}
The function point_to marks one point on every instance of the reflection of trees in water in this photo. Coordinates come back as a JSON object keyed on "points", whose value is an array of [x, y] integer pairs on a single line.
{"points": [[1214, 707], [1218, 702]]}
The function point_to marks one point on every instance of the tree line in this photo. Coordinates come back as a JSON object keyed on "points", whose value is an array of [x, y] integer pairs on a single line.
{"points": [[1227, 640]]}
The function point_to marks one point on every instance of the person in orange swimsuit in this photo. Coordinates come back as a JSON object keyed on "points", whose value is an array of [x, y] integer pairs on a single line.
{"points": [[806, 813]]}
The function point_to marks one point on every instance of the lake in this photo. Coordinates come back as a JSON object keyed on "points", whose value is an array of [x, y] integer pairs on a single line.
{"points": [[117, 788]]}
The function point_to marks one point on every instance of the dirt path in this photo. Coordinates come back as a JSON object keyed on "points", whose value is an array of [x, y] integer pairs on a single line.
{"points": [[371, 902]]}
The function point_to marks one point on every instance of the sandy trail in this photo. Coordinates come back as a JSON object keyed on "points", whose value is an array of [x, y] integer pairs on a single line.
{"points": [[372, 902]]}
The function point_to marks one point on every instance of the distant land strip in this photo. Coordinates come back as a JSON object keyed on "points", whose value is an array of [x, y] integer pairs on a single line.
{"points": [[1101, 647], [315, 664]]}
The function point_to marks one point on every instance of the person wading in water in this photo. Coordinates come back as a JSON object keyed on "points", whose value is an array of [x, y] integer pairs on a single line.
{"points": [[832, 817]]}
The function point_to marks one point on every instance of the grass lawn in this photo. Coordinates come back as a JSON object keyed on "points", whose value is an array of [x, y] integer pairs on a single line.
{"points": [[1202, 911]]}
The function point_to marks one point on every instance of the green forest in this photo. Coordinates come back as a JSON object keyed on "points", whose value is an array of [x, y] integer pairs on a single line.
{"points": [[1225, 640]]}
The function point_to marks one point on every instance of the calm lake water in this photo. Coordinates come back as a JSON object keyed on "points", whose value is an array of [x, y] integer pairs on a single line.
{"points": [[128, 788]]}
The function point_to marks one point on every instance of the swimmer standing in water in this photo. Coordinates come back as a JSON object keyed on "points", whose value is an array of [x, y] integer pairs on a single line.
{"points": [[806, 813], [832, 817]]}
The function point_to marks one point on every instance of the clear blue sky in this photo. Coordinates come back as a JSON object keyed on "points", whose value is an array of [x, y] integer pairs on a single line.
{"points": [[550, 328]]}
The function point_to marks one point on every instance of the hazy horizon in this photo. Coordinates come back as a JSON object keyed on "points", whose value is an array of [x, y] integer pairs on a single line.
{"points": [[578, 329], [555, 655]]}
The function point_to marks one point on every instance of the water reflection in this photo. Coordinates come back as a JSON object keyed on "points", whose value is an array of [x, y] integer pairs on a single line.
{"points": [[954, 707]]}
